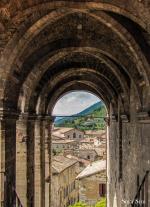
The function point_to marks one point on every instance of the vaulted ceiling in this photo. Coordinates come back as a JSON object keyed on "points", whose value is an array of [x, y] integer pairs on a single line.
{"points": [[51, 47]]}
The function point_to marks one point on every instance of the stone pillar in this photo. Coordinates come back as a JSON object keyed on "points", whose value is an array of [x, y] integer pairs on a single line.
{"points": [[36, 132], [7, 157], [42, 154], [2, 163], [37, 164], [21, 159], [48, 125], [47, 173], [107, 122], [112, 159], [42, 148], [30, 161]]}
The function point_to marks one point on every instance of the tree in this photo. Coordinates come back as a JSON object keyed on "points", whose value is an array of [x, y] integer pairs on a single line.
{"points": [[101, 203], [79, 204]]}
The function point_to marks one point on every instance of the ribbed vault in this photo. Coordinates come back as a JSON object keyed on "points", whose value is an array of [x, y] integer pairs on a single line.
{"points": [[48, 48], [95, 41]]}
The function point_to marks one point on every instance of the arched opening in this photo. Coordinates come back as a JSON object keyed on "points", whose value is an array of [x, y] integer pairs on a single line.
{"points": [[49, 48], [79, 149]]}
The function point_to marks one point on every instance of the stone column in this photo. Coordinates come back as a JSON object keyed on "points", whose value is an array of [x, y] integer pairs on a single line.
{"points": [[37, 164], [47, 173], [112, 159], [107, 122], [42, 161], [21, 159], [48, 125], [7, 157], [31, 148], [35, 161], [42, 148], [2, 163], [25, 154]]}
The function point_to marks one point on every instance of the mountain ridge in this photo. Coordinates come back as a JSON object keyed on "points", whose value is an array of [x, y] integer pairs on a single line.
{"points": [[79, 119], [83, 112]]}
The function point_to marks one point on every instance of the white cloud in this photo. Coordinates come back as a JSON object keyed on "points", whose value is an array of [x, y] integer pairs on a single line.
{"points": [[74, 102]]}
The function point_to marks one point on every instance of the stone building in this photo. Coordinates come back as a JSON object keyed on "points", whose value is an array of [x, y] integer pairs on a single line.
{"points": [[87, 142], [66, 144], [64, 186], [64, 139], [83, 163], [94, 141], [90, 153], [92, 183], [95, 134], [67, 133], [49, 48]]}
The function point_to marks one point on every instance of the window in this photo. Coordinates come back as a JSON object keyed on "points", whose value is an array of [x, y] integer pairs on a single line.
{"points": [[74, 135], [102, 190], [88, 157], [80, 136]]}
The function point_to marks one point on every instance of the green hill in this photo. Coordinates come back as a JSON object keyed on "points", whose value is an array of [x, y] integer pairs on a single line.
{"points": [[90, 118]]}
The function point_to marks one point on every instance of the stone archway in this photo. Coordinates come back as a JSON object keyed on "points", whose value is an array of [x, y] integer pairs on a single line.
{"points": [[63, 46]]}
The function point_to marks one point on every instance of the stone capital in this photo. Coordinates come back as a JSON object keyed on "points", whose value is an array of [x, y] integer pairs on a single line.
{"points": [[114, 117], [107, 120], [8, 114], [125, 118], [143, 117]]}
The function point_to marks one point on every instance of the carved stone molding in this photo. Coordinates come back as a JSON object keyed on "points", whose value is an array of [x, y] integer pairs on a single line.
{"points": [[39, 117], [143, 117], [114, 117], [6, 114], [125, 118]]}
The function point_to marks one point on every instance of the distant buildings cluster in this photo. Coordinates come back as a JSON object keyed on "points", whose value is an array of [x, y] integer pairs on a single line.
{"points": [[64, 188], [78, 166]]}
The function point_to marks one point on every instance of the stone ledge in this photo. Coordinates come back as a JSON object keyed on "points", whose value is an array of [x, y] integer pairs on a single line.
{"points": [[143, 117], [36, 117], [125, 118], [7, 114], [114, 117], [14, 115]]}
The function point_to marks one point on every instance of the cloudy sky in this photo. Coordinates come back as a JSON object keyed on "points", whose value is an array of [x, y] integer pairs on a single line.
{"points": [[74, 102]]}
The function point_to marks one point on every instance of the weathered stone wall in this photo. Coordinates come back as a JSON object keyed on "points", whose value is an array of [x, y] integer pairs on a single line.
{"points": [[33, 157], [78, 134], [8, 159], [89, 154], [63, 182], [21, 159], [52, 47], [135, 158], [89, 188]]}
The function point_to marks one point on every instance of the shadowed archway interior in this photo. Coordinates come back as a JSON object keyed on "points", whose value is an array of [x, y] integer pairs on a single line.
{"points": [[52, 47]]}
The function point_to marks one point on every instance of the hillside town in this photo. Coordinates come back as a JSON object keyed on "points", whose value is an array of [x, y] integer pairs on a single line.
{"points": [[78, 166]]}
